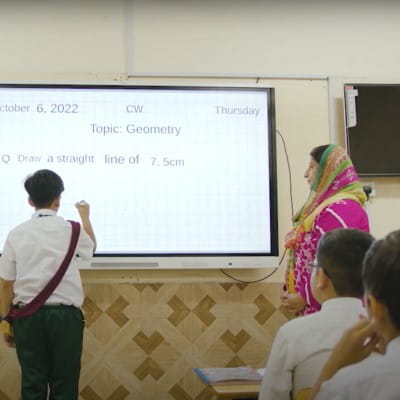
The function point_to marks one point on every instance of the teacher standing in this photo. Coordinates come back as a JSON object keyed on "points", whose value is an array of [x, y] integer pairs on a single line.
{"points": [[336, 200]]}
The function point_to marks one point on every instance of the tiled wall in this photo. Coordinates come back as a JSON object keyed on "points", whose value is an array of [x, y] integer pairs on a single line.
{"points": [[142, 341]]}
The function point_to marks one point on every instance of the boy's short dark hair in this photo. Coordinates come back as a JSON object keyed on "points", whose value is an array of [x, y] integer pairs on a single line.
{"points": [[340, 254], [43, 187], [381, 273]]}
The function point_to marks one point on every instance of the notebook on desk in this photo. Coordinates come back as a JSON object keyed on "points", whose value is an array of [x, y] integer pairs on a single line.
{"points": [[229, 376]]}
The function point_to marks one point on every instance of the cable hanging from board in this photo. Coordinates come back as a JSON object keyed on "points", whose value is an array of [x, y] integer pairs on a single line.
{"points": [[292, 212]]}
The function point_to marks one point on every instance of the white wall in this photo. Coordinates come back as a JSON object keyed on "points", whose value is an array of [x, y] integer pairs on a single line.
{"points": [[277, 37], [253, 37], [48, 39]]}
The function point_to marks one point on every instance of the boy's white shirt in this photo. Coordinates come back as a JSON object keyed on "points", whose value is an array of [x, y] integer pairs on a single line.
{"points": [[377, 377], [33, 253], [302, 346]]}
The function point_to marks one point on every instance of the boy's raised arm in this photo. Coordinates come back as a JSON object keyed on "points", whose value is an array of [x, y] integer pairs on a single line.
{"points": [[84, 210]]}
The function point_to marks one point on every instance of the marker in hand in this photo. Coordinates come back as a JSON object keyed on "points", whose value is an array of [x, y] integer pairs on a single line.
{"points": [[83, 208]]}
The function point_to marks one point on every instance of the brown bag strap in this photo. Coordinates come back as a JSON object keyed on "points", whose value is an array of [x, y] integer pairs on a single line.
{"points": [[45, 293]]}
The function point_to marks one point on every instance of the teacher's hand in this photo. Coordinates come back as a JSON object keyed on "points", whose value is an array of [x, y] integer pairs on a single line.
{"points": [[293, 302]]}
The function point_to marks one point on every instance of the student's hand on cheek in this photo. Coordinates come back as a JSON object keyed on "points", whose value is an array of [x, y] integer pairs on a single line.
{"points": [[356, 344], [378, 340]]}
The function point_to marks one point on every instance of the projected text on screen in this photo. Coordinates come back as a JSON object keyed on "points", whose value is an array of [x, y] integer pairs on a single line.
{"points": [[174, 170]]}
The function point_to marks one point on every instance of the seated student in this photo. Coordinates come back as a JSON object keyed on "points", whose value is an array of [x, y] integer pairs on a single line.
{"points": [[303, 344], [370, 377]]}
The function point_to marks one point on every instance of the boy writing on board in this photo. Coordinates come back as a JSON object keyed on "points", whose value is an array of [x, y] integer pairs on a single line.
{"points": [[49, 341]]}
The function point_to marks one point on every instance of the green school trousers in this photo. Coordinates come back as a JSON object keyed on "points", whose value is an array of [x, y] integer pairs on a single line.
{"points": [[49, 349]]}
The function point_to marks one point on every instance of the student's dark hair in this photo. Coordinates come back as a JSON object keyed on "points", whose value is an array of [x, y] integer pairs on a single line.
{"points": [[43, 187], [317, 152], [340, 254], [381, 273]]}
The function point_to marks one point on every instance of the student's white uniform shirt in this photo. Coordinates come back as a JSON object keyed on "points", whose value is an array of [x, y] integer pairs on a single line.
{"points": [[33, 252], [302, 346], [375, 378]]}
